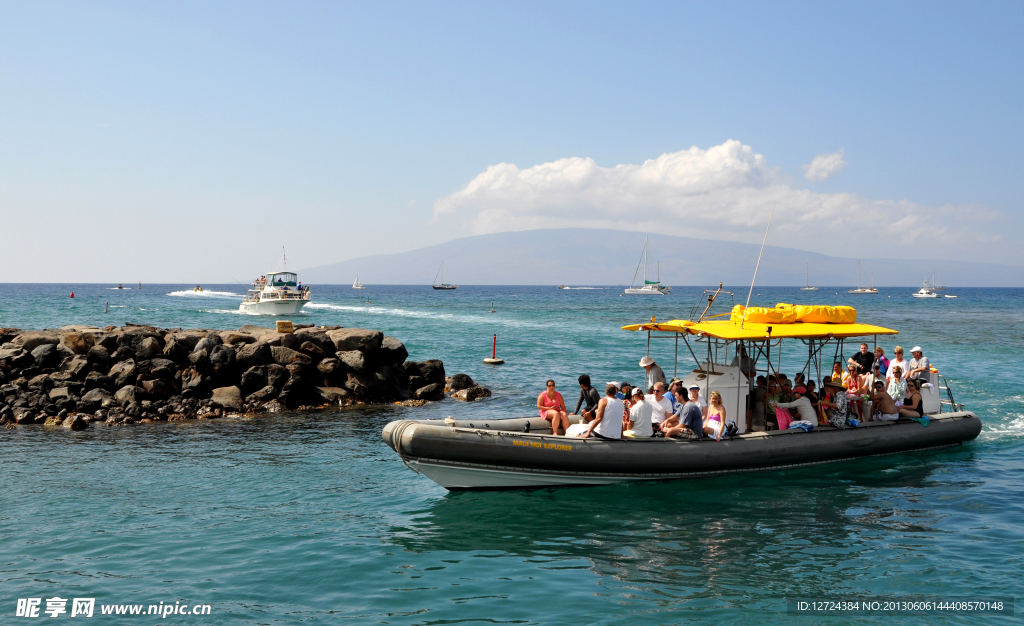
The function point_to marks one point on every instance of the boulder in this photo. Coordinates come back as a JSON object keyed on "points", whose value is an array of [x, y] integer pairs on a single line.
{"points": [[208, 343], [107, 340], [329, 367], [98, 354], [76, 366], [392, 351], [312, 350], [253, 379], [132, 336], [353, 360], [176, 350], [254, 354], [472, 393], [59, 393], [232, 337], [159, 388], [24, 415], [75, 422], [192, 380], [222, 358], [332, 395], [458, 382], [262, 395], [277, 375], [298, 392], [128, 394], [78, 342], [123, 354], [96, 399], [345, 339], [45, 355], [316, 336], [42, 381], [16, 357], [285, 356], [361, 385], [187, 338], [148, 348], [32, 339], [433, 391], [123, 373], [200, 359], [285, 340], [96, 380], [227, 397]]}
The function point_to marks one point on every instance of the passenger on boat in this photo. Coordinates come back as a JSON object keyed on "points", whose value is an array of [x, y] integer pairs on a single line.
{"points": [[802, 404], [898, 361], [864, 358], [852, 384], [607, 424], [714, 424], [838, 405], [837, 371], [589, 397], [675, 394], [688, 422], [552, 408], [913, 406], [799, 380], [897, 385], [654, 372], [745, 363], [867, 382], [885, 409], [757, 404], [626, 391], [919, 366], [661, 408], [639, 426], [771, 396], [881, 359]]}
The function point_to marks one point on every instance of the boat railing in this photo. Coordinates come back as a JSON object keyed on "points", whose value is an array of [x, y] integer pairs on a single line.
{"points": [[949, 401]]}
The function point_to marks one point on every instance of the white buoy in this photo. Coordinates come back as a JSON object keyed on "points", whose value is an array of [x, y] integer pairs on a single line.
{"points": [[493, 359]]}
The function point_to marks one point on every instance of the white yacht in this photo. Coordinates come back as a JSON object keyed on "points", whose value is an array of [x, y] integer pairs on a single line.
{"points": [[650, 287], [926, 291], [863, 290], [357, 284], [276, 293]]}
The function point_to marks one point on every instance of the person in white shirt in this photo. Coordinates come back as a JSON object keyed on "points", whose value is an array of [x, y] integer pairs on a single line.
{"points": [[661, 408], [608, 422], [898, 361], [639, 417], [802, 406]]}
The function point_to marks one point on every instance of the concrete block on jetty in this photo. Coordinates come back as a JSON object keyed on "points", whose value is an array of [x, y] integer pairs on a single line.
{"points": [[77, 375]]}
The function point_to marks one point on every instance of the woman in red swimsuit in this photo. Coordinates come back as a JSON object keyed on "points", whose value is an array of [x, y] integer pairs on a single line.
{"points": [[552, 408]]}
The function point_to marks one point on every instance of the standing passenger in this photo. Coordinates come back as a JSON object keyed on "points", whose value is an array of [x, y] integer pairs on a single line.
{"points": [[654, 373], [608, 422]]}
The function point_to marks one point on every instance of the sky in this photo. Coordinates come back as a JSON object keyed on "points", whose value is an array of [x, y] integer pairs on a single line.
{"points": [[188, 142]]}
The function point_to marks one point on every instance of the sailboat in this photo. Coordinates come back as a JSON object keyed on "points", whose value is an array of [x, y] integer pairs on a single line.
{"points": [[442, 284], [808, 280], [859, 289], [935, 286], [357, 284], [651, 287]]}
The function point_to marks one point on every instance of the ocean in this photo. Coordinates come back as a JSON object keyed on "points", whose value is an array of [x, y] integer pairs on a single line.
{"points": [[310, 518]]}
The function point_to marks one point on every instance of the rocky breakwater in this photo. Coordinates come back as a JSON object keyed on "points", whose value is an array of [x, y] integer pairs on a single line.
{"points": [[77, 375]]}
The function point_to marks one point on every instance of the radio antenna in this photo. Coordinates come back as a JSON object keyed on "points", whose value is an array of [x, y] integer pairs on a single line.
{"points": [[744, 318]]}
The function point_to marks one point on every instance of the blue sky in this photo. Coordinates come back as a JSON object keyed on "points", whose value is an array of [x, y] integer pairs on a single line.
{"points": [[189, 141]]}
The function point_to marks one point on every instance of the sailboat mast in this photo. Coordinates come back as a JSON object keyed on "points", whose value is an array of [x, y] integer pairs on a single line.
{"points": [[645, 260]]}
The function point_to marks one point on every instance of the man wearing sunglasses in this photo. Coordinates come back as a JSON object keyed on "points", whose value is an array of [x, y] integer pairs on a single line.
{"points": [[884, 408]]}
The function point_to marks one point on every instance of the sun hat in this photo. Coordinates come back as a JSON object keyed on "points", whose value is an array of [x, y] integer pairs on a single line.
{"points": [[644, 362], [614, 382], [800, 389], [694, 386], [832, 383], [638, 391], [916, 349]]}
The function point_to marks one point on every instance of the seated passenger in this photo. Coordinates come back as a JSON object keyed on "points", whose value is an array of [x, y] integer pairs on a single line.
{"points": [[688, 421], [897, 385], [661, 408], [552, 408], [802, 404], [838, 405], [607, 424], [885, 408], [589, 397], [715, 422], [626, 393], [639, 425], [913, 406]]}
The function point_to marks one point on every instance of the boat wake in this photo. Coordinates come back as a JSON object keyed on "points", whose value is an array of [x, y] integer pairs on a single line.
{"points": [[188, 293], [579, 288], [452, 317]]}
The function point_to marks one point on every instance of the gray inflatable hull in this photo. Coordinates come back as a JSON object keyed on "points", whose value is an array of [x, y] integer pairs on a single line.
{"points": [[522, 453]]}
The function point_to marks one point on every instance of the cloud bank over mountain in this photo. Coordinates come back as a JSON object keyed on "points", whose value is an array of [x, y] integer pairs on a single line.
{"points": [[724, 192]]}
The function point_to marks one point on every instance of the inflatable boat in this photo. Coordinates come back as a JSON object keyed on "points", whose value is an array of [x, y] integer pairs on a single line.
{"points": [[522, 453], [525, 453]]}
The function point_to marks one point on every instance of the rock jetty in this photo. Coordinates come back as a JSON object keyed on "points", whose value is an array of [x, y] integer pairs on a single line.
{"points": [[77, 375]]}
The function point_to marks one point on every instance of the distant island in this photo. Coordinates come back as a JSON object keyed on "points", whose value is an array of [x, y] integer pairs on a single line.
{"points": [[591, 256]]}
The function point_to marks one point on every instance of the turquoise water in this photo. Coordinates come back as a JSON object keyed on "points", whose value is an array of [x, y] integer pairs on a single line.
{"points": [[299, 518]]}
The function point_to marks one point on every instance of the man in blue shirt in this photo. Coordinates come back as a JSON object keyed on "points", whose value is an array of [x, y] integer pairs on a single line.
{"points": [[688, 422]]}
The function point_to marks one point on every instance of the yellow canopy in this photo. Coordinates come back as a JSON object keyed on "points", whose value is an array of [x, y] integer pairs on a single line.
{"points": [[755, 331]]}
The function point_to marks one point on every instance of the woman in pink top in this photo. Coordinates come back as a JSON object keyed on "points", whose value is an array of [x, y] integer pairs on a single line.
{"points": [[552, 408]]}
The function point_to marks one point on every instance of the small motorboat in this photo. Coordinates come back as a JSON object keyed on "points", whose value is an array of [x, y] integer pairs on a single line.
{"points": [[197, 289], [949, 296], [926, 291], [120, 286]]}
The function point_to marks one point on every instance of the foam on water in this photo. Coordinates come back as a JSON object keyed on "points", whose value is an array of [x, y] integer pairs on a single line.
{"points": [[188, 293]]}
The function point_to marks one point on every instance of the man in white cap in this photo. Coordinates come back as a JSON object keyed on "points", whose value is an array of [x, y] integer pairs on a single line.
{"points": [[919, 365], [654, 372]]}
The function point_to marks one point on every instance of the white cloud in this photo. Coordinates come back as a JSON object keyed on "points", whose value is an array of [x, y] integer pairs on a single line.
{"points": [[725, 193], [824, 165]]}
